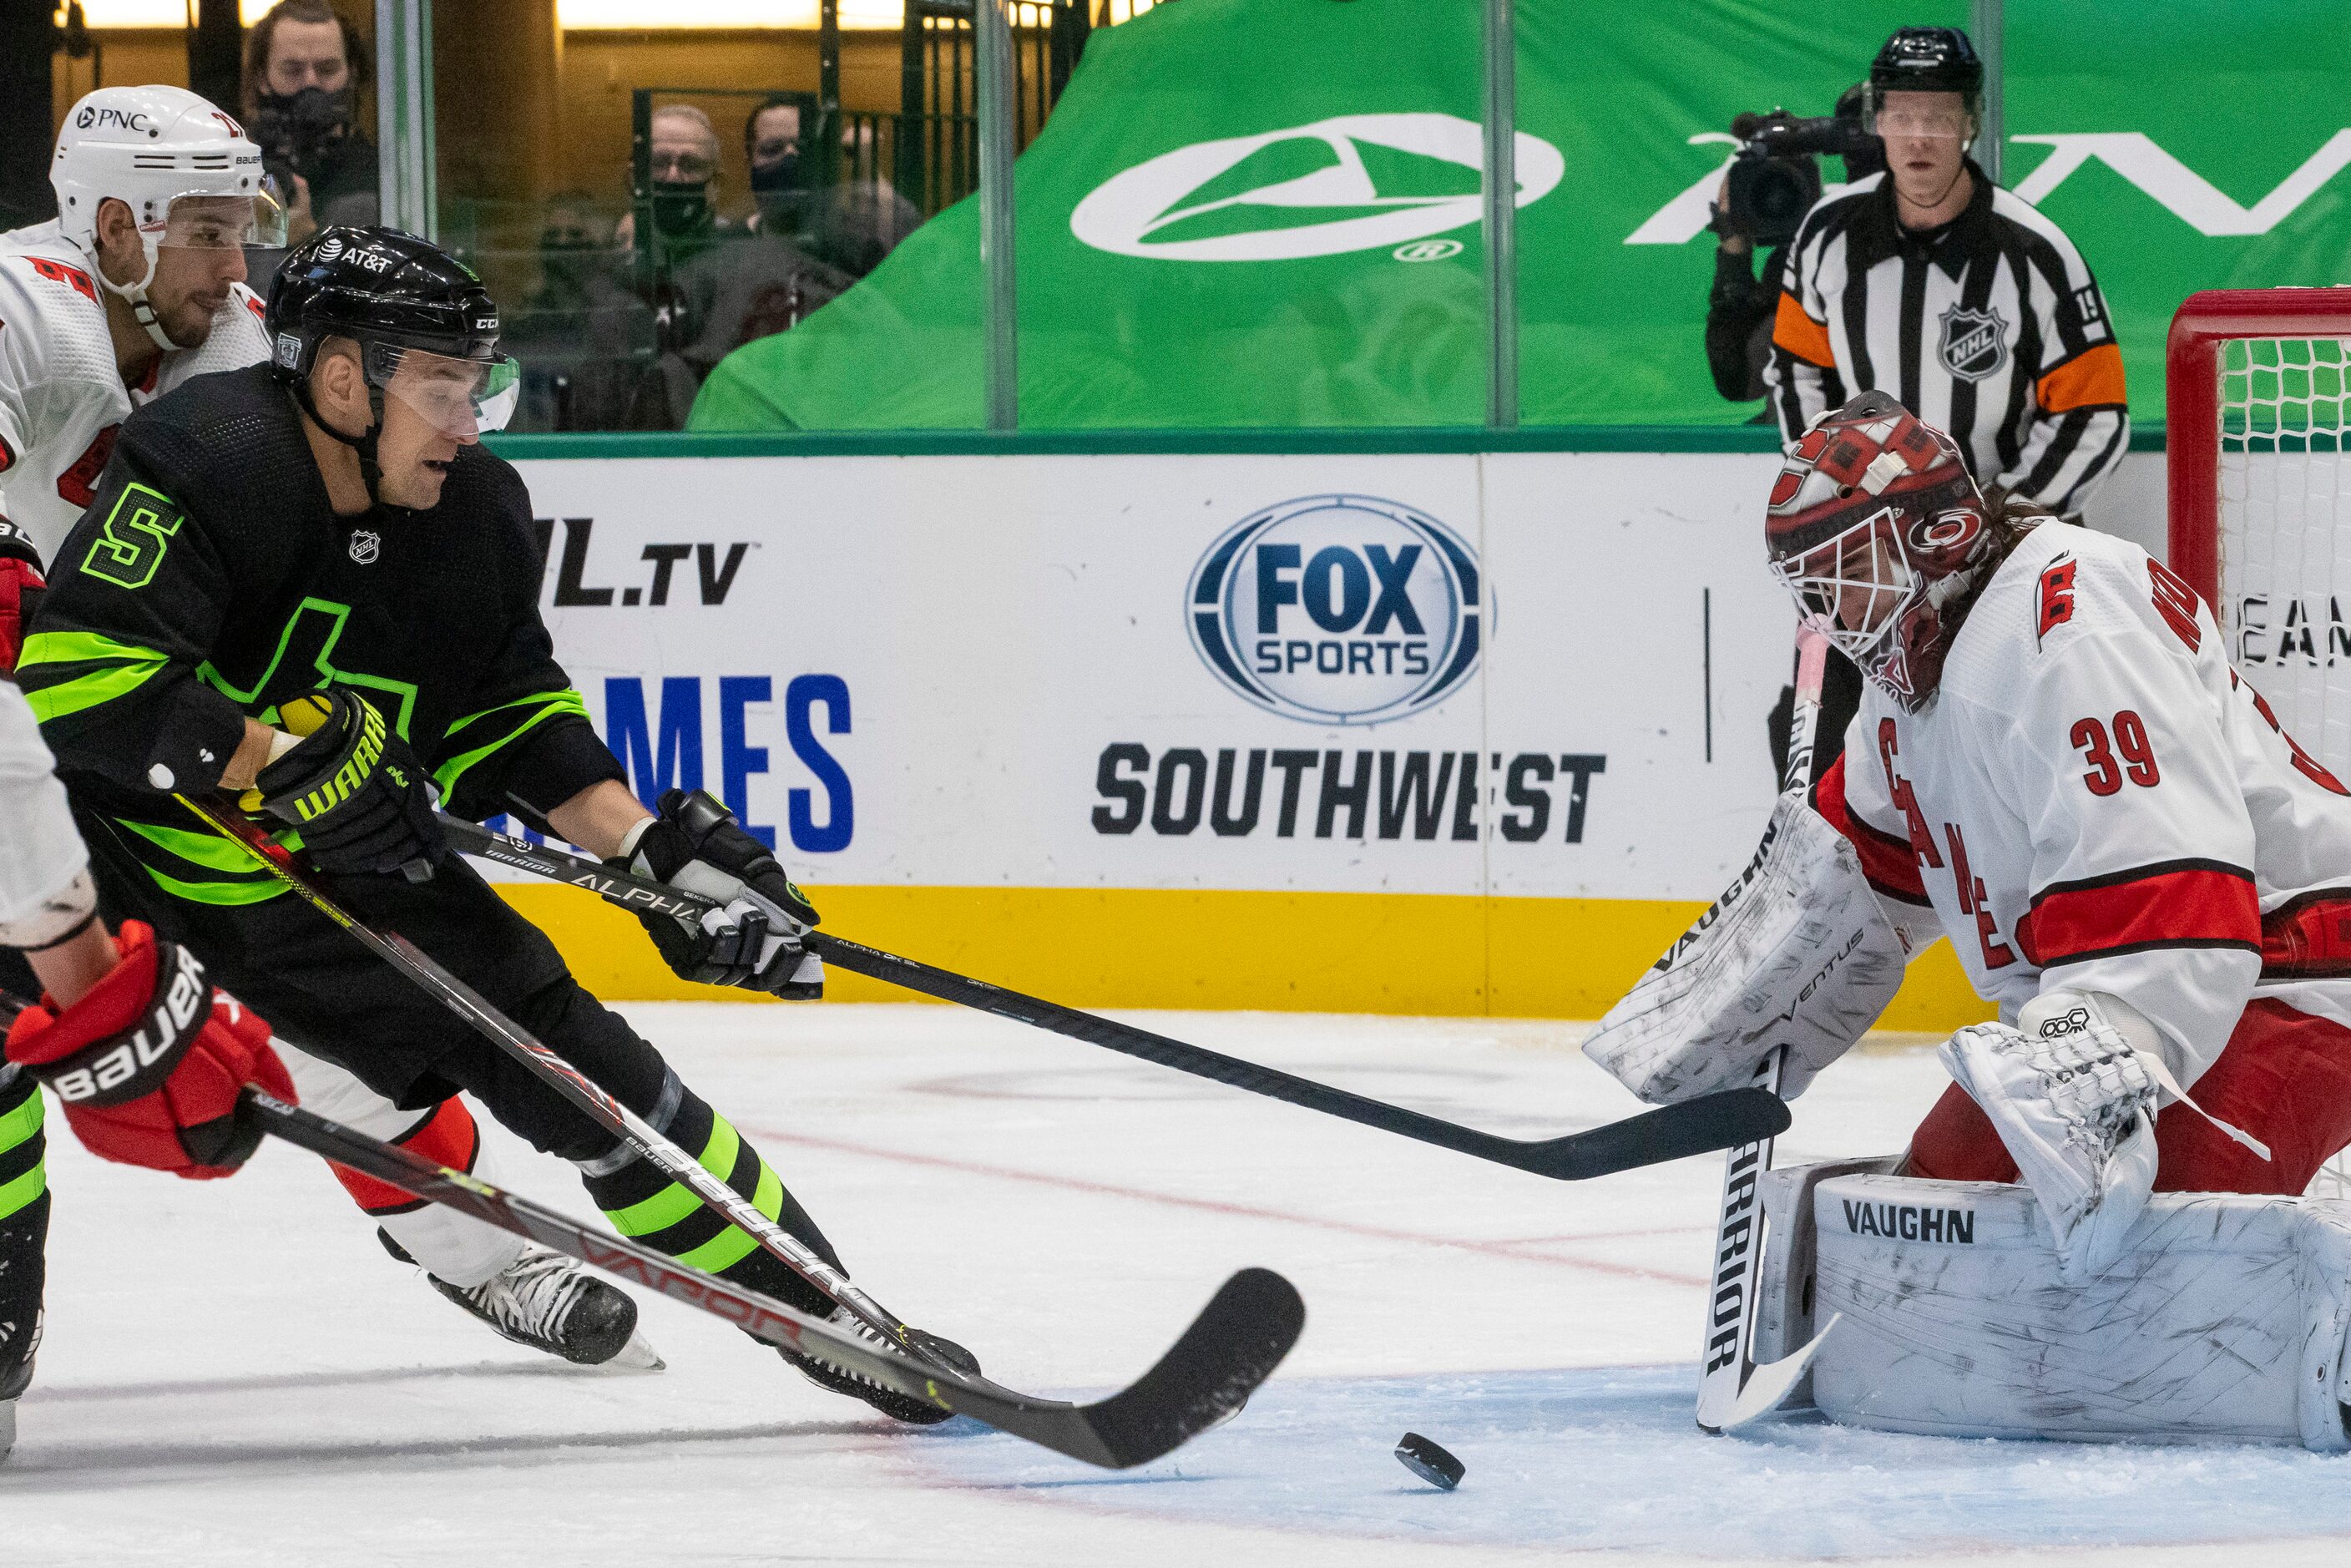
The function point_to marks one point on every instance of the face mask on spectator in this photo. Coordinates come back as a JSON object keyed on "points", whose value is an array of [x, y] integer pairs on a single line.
{"points": [[776, 178], [681, 207]]}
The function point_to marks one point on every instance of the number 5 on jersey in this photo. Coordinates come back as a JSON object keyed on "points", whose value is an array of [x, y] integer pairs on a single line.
{"points": [[131, 546]]}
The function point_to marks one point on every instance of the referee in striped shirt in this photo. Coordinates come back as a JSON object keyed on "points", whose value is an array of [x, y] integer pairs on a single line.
{"points": [[1931, 283]]}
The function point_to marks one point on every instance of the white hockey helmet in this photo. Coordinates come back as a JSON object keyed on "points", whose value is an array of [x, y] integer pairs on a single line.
{"points": [[188, 173]]}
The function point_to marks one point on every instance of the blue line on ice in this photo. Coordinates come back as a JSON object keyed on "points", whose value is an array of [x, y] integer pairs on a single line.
{"points": [[1608, 1458]]}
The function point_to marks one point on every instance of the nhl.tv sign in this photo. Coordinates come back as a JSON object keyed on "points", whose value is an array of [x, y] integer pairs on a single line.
{"points": [[1338, 610]]}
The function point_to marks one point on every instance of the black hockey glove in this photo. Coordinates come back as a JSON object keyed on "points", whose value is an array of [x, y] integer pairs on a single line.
{"points": [[361, 800], [754, 942]]}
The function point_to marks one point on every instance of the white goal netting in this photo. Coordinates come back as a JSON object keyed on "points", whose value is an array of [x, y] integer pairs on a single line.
{"points": [[2284, 518], [2285, 530]]}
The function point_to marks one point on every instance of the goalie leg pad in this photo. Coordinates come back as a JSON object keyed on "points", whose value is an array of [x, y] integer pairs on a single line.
{"points": [[1797, 952], [2223, 1320]]}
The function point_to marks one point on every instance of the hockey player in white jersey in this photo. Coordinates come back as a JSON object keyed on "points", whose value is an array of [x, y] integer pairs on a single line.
{"points": [[137, 287], [2055, 767]]}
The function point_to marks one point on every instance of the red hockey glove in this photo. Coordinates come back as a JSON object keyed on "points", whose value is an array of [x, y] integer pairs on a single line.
{"points": [[20, 591], [148, 1064]]}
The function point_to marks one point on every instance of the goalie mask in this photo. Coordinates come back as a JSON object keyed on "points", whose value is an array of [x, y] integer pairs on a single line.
{"points": [[1877, 529]]}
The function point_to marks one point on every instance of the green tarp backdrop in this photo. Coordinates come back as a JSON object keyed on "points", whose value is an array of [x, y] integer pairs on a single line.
{"points": [[1266, 211]]}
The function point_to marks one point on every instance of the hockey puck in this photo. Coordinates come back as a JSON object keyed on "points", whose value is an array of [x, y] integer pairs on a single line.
{"points": [[1429, 1462]]}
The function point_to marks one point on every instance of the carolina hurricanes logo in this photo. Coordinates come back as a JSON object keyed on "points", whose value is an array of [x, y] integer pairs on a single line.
{"points": [[1944, 530]]}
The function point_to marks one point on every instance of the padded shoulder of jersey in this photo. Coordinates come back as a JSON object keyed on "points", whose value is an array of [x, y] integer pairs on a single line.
{"points": [[51, 315], [2065, 584]]}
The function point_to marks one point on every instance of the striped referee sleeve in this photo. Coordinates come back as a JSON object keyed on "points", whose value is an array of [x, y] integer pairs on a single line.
{"points": [[2080, 425], [1802, 374]]}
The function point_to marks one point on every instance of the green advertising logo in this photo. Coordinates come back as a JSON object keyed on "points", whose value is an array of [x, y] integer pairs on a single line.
{"points": [[2133, 156], [1355, 182]]}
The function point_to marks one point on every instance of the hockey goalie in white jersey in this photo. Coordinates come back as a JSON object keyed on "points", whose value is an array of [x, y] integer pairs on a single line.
{"points": [[2054, 767]]}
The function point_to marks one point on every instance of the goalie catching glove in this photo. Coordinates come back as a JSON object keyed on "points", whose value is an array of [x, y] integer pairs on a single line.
{"points": [[149, 1062], [754, 941], [2072, 1092], [1797, 952], [351, 787]]}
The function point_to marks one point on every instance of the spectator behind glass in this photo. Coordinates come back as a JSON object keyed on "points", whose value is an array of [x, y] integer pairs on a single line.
{"points": [[848, 227], [779, 176], [685, 171], [302, 64]]}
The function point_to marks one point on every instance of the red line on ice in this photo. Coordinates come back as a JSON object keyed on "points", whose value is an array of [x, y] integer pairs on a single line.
{"points": [[1515, 1251]]}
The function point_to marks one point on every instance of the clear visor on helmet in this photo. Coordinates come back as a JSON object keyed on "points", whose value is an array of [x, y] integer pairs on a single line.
{"points": [[1942, 115], [463, 398], [204, 221], [1853, 588]]}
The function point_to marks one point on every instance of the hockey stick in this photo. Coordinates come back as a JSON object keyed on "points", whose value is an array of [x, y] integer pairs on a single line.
{"points": [[1732, 1390], [583, 1094], [1227, 1351], [1694, 1127]]}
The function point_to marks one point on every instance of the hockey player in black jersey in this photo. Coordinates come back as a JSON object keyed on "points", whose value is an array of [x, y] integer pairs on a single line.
{"points": [[322, 536]]}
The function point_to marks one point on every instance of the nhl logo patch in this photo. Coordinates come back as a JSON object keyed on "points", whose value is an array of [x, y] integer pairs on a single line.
{"points": [[366, 545], [1975, 343]]}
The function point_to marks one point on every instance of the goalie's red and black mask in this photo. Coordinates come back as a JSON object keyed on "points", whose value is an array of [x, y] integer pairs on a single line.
{"points": [[1877, 529]]}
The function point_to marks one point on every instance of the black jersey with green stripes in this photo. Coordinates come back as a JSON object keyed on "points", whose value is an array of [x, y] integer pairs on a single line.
{"points": [[209, 581]]}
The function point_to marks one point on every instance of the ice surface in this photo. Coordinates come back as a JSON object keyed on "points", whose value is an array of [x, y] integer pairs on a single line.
{"points": [[235, 1373]]}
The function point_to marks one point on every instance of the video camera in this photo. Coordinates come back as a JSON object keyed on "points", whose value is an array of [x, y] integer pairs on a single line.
{"points": [[1776, 177]]}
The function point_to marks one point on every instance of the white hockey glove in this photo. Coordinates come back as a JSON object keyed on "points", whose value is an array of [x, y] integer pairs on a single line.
{"points": [[1797, 952], [2072, 1090], [754, 941]]}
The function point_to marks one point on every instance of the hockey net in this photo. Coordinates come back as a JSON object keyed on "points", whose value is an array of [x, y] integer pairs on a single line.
{"points": [[2257, 418]]}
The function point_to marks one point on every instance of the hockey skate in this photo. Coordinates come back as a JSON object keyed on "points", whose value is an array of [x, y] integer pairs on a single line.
{"points": [[13, 1381], [889, 1401], [549, 1302]]}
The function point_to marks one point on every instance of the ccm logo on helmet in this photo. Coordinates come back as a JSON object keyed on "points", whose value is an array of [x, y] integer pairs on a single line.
{"points": [[117, 1073], [135, 121]]}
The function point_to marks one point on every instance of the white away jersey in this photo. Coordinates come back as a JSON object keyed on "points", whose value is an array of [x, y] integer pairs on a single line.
{"points": [[60, 395], [41, 852], [2096, 802]]}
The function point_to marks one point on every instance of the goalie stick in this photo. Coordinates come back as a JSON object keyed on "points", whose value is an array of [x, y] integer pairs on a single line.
{"points": [[585, 1095], [1670, 1132], [1230, 1348], [1732, 1390]]}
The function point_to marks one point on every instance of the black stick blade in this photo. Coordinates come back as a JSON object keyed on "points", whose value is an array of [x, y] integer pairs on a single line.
{"points": [[1230, 1348], [1710, 1121]]}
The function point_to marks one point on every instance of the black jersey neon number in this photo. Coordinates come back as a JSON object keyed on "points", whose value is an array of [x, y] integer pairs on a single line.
{"points": [[131, 546]]}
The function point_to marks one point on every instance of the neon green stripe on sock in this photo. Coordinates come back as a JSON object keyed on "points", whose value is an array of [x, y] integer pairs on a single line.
{"points": [[20, 1123], [675, 1201], [16, 1194], [721, 1252]]}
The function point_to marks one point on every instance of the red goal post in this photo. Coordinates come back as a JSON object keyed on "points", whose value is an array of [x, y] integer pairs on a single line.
{"points": [[2197, 407]]}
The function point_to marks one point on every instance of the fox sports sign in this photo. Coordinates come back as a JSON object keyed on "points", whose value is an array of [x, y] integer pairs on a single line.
{"points": [[1338, 610]]}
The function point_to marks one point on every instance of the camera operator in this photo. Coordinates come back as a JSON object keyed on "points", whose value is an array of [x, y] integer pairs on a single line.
{"points": [[302, 64], [1762, 200], [1969, 307]]}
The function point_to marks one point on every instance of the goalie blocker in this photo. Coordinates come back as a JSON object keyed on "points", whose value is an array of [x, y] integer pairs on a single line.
{"points": [[2224, 1320], [1799, 952]]}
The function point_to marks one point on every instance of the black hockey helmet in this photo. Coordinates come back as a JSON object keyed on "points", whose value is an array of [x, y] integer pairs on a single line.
{"points": [[392, 294], [376, 285], [1928, 59]]}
